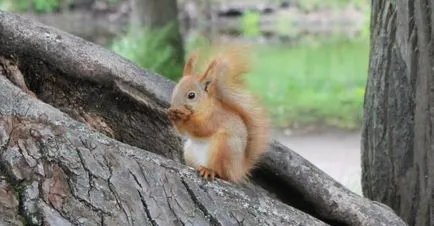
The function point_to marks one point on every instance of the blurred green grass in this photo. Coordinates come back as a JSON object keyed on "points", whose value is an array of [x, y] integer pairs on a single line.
{"points": [[313, 83], [316, 81]]}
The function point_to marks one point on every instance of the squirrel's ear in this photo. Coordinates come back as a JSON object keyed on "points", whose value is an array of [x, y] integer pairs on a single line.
{"points": [[188, 68], [206, 86], [209, 71], [207, 78]]}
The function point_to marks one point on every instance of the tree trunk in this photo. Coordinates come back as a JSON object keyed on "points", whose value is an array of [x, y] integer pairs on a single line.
{"points": [[398, 137], [156, 14], [84, 139], [206, 24]]}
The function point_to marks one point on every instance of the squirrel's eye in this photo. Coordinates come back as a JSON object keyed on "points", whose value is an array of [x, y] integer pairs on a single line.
{"points": [[191, 95]]}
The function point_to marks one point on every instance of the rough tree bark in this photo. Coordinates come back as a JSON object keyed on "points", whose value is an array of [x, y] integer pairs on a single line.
{"points": [[398, 135], [89, 144]]}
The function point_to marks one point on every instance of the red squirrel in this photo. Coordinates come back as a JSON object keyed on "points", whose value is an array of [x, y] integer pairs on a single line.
{"points": [[226, 128]]}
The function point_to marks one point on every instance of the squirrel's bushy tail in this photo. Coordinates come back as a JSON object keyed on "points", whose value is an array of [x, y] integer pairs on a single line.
{"points": [[231, 64]]}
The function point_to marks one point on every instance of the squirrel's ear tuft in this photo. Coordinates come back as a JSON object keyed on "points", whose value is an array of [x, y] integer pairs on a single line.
{"points": [[188, 68]]}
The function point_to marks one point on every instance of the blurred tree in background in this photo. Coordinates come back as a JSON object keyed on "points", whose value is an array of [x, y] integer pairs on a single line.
{"points": [[154, 40], [160, 14]]}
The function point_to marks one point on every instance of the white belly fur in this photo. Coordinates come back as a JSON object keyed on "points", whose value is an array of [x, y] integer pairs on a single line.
{"points": [[197, 151]]}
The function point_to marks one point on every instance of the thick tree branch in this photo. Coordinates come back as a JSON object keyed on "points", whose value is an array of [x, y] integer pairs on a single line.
{"points": [[73, 175], [113, 182]]}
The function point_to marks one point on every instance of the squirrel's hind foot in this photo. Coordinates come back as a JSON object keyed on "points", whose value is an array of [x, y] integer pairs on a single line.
{"points": [[207, 173]]}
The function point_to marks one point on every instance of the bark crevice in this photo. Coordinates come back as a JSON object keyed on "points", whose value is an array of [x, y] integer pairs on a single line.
{"points": [[201, 206]]}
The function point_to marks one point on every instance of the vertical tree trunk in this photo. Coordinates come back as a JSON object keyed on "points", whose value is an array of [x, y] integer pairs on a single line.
{"points": [[207, 27], [155, 14], [398, 137]]}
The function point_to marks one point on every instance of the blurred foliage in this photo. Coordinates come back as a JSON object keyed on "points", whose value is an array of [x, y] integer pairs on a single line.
{"points": [[250, 23], [47, 6], [148, 49], [40, 6], [194, 41]]}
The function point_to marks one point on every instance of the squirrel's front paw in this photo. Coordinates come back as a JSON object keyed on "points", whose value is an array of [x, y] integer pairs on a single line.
{"points": [[178, 114]]}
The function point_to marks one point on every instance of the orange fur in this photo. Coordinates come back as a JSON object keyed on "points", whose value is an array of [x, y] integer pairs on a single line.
{"points": [[219, 153], [226, 114]]}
